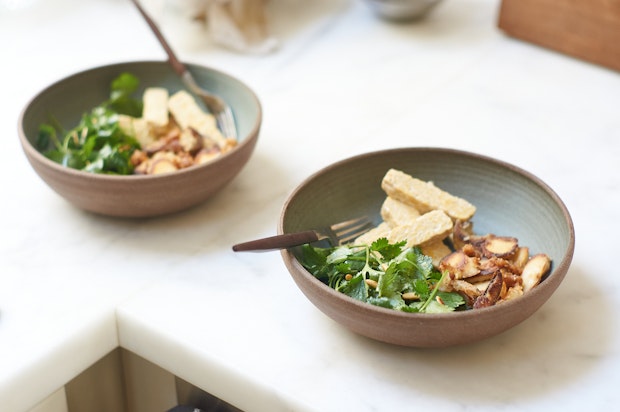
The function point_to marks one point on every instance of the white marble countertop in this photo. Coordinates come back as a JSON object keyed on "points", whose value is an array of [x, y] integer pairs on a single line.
{"points": [[74, 286]]}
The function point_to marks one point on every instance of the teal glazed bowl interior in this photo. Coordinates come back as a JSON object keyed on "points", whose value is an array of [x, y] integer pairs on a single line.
{"points": [[509, 201], [137, 195]]}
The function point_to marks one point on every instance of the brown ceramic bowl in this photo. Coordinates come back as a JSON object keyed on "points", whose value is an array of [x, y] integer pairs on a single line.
{"points": [[509, 201], [137, 195]]}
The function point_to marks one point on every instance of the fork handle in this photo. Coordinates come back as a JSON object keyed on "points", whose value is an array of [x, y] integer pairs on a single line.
{"points": [[176, 64], [277, 242]]}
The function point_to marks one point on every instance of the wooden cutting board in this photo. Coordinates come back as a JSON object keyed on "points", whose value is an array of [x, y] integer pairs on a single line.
{"points": [[586, 29]]}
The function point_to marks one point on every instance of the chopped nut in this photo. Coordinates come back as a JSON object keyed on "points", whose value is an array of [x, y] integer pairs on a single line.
{"points": [[410, 296], [372, 283]]}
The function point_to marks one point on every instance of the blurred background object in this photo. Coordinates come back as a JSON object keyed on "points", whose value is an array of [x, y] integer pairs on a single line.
{"points": [[239, 25], [402, 10], [586, 29]]}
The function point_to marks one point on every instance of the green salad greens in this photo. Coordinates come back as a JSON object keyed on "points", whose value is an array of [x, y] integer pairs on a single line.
{"points": [[382, 274], [97, 144]]}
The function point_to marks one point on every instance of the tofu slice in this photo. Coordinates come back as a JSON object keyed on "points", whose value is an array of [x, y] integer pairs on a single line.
{"points": [[373, 234], [155, 110], [397, 213], [187, 113], [432, 226], [436, 250], [138, 128], [425, 196]]}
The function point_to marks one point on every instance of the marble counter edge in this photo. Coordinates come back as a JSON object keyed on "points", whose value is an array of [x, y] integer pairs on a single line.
{"points": [[60, 360], [208, 373]]}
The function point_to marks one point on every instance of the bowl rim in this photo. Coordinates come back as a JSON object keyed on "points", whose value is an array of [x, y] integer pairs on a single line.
{"points": [[31, 151], [558, 271]]}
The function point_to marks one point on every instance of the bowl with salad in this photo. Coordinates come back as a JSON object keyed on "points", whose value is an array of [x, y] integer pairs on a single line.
{"points": [[128, 140], [463, 246]]}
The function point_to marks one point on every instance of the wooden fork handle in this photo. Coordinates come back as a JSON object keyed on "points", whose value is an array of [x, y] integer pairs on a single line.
{"points": [[277, 242], [176, 64]]}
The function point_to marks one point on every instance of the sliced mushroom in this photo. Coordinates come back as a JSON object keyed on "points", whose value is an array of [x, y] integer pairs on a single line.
{"points": [[534, 270], [191, 141], [500, 246], [512, 293], [492, 294], [461, 233], [521, 257], [163, 165], [468, 291], [206, 155], [480, 278], [459, 265]]}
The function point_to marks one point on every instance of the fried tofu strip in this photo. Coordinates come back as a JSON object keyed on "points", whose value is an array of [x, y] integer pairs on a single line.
{"points": [[436, 250], [429, 227], [155, 111], [425, 196], [397, 213], [378, 232], [188, 114]]}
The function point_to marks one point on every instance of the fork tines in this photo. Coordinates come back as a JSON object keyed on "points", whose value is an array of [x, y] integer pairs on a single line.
{"points": [[349, 230], [226, 122]]}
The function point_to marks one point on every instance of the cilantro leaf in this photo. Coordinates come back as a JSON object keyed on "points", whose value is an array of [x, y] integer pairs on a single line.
{"points": [[396, 271], [356, 288]]}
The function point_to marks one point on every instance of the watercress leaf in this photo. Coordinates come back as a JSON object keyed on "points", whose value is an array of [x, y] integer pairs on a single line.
{"points": [[312, 258], [120, 97], [95, 166], [125, 83], [45, 137]]}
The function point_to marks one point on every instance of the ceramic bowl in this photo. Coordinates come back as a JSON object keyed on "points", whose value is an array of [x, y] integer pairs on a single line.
{"points": [[402, 10], [509, 201], [137, 195]]}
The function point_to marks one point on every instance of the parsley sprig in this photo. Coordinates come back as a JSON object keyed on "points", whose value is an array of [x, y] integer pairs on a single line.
{"points": [[395, 270]]}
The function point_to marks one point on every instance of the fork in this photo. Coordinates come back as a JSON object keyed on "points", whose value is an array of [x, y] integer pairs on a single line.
{"points": [[216, 105], [337, 234]]}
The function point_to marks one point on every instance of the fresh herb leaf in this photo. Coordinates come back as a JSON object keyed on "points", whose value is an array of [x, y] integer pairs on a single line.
{"points": [[396, 271], [97, 144], [356, 287], [120, 97]]}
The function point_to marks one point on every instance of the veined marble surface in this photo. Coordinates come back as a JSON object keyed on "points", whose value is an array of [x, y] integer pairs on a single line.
{"points": [[73, 286]]}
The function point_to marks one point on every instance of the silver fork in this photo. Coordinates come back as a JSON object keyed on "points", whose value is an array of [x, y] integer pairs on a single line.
{"points": [[337, 234], [216, 105]]}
